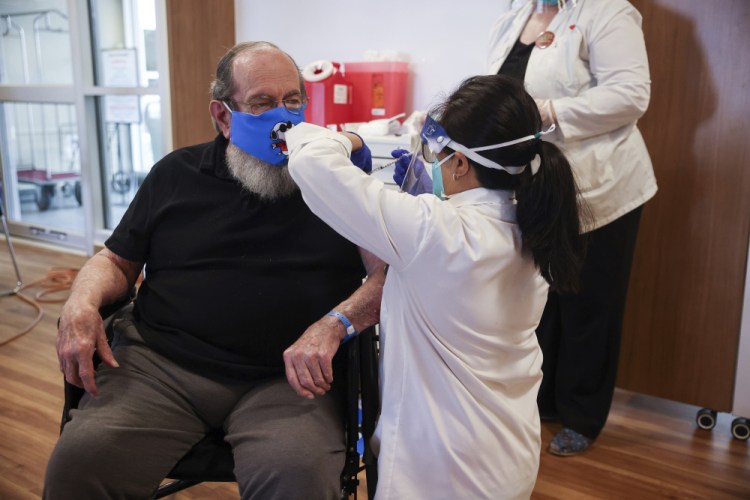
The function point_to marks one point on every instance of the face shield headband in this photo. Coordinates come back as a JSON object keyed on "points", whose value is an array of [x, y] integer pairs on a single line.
{"points": [[434, 136]]}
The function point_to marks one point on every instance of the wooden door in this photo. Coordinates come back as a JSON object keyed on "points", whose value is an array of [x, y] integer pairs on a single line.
{"points": [[199, 33], [684, 306]]}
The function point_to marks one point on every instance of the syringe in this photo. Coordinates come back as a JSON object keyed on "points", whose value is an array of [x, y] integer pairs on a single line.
{"points": [[381, 167]]}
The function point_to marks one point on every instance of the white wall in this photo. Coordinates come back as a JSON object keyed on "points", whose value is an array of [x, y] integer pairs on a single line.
{"points": [[445, 40], [741, 403]]}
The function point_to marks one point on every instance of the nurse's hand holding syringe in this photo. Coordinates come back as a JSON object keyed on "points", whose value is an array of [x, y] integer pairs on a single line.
{"points": [[419, 181], [361, 157]]}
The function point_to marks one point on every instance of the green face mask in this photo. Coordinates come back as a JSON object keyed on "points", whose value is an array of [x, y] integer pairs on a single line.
{"points": [[437, 177]]}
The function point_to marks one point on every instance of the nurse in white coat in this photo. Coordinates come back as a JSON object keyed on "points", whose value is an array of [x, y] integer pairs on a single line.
{"points": [[585, 63], [466, 285]]}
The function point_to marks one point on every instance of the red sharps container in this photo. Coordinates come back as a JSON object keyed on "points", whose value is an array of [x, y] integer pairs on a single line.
{"points": [[329, 93]]}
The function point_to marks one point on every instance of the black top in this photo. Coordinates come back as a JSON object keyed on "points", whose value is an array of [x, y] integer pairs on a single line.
{"points": [[516, 62], [230, 281]]}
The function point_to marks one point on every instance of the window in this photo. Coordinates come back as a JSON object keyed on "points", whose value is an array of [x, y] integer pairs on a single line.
{"points": [[82, 118]]}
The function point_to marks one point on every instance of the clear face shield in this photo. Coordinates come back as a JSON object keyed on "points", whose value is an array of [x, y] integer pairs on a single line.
{"points": [[415, 171], [434, 140]]}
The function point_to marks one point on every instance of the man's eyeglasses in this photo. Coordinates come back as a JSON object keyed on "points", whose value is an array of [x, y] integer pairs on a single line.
{"points": [[293, 105]]}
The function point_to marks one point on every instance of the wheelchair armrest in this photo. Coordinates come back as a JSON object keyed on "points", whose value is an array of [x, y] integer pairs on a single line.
{"points": [[108, 310]]}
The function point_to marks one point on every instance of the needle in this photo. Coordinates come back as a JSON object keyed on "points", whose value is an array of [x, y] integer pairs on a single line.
{"points": [[381, 167]]}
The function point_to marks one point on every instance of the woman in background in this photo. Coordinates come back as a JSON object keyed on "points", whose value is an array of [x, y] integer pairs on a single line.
{"points": [[585, 64], [465, 290]]}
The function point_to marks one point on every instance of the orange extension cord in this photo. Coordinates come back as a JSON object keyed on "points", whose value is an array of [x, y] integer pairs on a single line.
{"points": [[56, 280]]}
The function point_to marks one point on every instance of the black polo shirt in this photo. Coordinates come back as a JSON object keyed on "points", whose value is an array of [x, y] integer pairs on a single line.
{"points": [[231, 281]]}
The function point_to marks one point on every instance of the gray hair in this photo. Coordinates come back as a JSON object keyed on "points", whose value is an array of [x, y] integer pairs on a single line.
{"points": [[222, 88]]}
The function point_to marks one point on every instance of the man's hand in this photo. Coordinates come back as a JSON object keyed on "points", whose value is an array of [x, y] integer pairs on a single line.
{"points": [[308, 361], [80, 333]]}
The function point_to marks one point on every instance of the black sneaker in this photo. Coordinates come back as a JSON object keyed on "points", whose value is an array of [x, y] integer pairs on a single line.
{"points": [[568, 442]]}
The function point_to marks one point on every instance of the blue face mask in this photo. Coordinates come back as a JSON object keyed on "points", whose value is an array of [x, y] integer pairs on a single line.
{"points": [[437, 177], [263, 135]]}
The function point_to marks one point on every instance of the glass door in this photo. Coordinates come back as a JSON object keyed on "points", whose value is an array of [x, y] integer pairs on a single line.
{"points": [[129, 110], [41, 172], [81, 114]]}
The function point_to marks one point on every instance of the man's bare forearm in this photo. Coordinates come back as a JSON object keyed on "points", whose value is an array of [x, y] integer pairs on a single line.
{"points": [[362, 308], [308, 363], [104, 279]]}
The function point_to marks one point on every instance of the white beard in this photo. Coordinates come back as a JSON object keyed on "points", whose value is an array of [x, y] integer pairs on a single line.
{"points": [[269, 182]]}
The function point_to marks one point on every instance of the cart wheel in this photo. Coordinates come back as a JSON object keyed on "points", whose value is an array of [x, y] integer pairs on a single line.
{"points": [[741, 428], [706, 419], [67, 189], [77, 192], [120, 182], [44, 197]]}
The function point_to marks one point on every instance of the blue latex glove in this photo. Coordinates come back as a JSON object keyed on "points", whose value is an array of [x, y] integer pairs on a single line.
{"points": [[362, 158], [424, 181], [399, 171]]}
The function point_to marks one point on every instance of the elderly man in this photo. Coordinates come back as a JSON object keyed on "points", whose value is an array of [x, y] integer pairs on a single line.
{"points": [[237, 269]]}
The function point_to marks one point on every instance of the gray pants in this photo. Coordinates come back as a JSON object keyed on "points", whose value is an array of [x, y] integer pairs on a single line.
{"points": [[150, 412]]}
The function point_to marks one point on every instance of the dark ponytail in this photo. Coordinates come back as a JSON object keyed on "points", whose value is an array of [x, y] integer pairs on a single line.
{"points": [[492, 109], [549, 218]]}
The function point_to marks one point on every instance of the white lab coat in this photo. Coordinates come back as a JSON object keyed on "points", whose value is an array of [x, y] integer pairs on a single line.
{"points": [[460, 363], [596, 73]]}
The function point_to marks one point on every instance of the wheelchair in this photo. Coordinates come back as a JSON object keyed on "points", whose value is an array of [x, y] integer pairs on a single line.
{"points": [[210, 460]]}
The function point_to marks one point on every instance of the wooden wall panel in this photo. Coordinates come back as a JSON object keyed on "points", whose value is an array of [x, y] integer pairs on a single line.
{"points": [[200, 32], [685, 301]]}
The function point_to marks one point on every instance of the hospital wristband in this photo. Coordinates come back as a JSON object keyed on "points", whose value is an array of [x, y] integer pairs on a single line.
{"points": [[350, 331]]}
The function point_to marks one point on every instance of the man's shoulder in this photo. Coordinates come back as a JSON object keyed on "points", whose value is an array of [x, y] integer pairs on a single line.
{"points": [[193, 153], [195, 157]]}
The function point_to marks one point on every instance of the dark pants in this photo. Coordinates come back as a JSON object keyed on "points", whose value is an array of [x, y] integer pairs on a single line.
{"points": [[150, 412], [580, 333]]}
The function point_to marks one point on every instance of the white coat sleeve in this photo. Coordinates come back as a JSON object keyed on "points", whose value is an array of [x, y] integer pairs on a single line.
{"points": [[619, 67], [359, 207]]}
